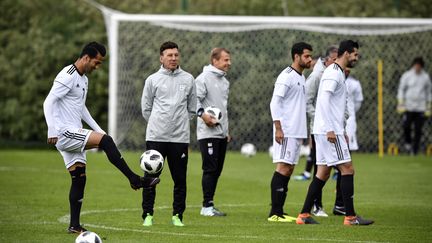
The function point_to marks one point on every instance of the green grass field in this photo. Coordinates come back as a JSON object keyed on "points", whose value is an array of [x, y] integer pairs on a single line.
{"points": [[395, 191]]}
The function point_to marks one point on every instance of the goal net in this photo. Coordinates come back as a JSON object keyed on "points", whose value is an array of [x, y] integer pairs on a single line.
{"points": [[260, 49]]}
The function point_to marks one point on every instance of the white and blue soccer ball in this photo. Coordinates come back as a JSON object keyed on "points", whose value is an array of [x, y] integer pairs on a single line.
{"points": [[151, 161], [248, 150], [304, 150], [88, 237], [214, 112], [270, 151]]}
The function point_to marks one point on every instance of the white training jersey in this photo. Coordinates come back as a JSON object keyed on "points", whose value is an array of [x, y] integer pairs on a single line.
{"points": [[290, 88], [72, 93], [330, 116], [354, 92]]}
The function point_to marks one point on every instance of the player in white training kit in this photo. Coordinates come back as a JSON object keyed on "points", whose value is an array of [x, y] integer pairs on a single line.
{"points": [[355, 99], [64, 110], [331, 142], [288, 110]]}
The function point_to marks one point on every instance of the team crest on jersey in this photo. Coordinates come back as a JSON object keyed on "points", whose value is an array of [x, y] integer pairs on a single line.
{"points": [[210, 148], [182, 87]]}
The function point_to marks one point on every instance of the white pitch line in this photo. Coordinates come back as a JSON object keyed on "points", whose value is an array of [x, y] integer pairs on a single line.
{"points": [[65, 219]]}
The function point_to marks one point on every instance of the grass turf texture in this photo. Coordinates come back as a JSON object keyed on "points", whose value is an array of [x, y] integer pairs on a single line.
{"points": [[394, 191]]}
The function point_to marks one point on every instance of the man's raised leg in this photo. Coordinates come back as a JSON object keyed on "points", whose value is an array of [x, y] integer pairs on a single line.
{"points": [[106, 143]]}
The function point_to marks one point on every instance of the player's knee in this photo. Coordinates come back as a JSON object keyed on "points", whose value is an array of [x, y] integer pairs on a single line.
{"points": [[323, 176], [106, 142], [284, 169], [346, 169], [323, 173], [78, 176], [78, 183]]}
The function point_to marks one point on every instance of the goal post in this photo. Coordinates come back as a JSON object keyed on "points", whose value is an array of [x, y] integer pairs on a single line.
{"points": [[260, 50]]}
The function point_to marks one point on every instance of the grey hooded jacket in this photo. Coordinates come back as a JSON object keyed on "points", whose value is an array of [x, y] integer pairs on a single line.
{"points": [[312, 85], [168, 103], [212, 90]]}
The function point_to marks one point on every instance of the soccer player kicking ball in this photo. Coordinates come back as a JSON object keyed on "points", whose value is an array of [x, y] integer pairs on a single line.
{"points": [[330, 137], [288, 111], [64, 109]]}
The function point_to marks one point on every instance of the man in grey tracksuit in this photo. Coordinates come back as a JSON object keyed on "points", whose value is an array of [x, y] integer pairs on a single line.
{"points": [[414, 102], [168, 104], [212, 90]]}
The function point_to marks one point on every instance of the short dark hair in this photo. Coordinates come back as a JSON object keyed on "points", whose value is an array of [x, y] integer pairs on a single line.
{"points": [[347, 45], [92, 49], [217, 52], [167, 45], [331, 49], [418, 60], [299, 47]]}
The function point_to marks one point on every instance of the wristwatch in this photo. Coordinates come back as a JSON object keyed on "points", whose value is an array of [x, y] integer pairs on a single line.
{"points": [[200, 112]]}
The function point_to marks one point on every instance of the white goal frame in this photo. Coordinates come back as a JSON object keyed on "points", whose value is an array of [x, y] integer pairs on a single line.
{"points": [[242, 23]]}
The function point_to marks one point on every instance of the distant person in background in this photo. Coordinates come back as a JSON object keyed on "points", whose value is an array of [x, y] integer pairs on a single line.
{"points": [[288, 111], [212, 90], [168, 104], [64, 110], [355, 99], [414, 102]]}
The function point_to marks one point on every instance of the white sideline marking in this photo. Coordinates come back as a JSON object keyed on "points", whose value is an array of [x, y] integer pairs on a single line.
{"points": [[65, 219]]}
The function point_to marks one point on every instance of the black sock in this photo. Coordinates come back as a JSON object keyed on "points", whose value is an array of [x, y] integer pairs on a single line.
{"points": [[339, 198], [309, 163], [108, 146], [76, 194], [314, 188], [279, 189], [318, 199], [347, 188]]}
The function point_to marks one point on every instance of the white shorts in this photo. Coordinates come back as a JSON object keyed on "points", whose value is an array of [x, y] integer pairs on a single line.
{"points": [[287, 152], [331, 154], [71, 144]]}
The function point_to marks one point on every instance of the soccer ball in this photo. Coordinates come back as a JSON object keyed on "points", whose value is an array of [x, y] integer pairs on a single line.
{"points": [[88, 237], [214, 112], [151, 161], [270, 151], [304, 150], [248, 150]]}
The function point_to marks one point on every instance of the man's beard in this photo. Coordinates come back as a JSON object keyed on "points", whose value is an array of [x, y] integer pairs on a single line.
{"points": [[304, 65], [351, 64]]}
